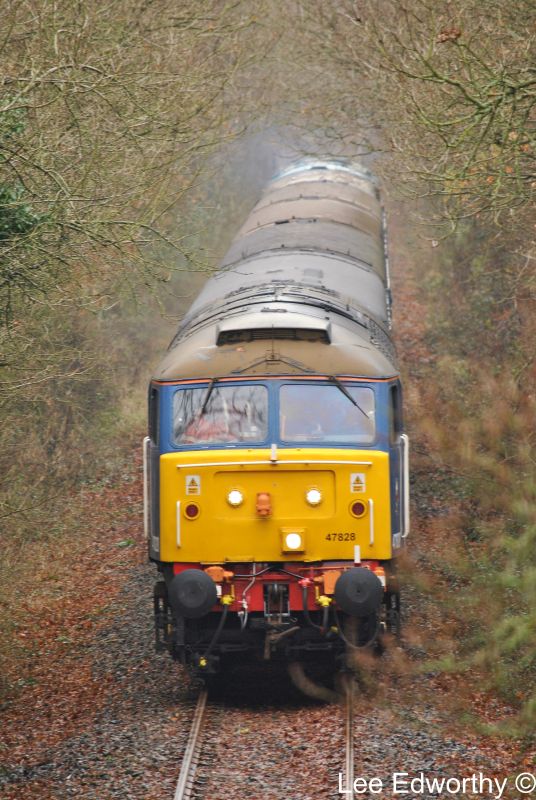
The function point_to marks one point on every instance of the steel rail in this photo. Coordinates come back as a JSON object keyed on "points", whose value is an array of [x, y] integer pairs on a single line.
{"points": [[191, 754], [349, 759]]}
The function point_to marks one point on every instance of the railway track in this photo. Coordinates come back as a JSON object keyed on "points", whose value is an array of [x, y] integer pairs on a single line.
{"points": [[188, 785], [185, 784], [349, 737]]}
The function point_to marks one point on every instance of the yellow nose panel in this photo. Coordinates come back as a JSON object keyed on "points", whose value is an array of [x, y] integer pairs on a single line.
{"points": [[287, 488], [228, 532]]}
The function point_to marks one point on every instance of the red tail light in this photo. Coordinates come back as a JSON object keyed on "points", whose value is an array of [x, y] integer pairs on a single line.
{"points": [[191, 510], [358, 508]]}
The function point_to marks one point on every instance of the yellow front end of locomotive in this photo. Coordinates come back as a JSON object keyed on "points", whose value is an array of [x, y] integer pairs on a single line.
{"points": [[298, 504]]}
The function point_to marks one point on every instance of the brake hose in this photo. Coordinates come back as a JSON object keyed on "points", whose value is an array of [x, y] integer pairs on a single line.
{"points": [[306, 612], [217, 632]]}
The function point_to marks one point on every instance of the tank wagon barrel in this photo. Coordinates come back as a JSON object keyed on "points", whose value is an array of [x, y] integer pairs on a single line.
{"points": [[276, 463]]}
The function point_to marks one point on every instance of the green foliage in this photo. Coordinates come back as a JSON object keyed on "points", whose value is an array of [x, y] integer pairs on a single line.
{"points": [[16, 216]]}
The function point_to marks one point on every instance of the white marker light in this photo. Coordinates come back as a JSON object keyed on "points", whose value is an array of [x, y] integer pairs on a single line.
{"points": [[235, 498], [293, 541], [313, 497]]}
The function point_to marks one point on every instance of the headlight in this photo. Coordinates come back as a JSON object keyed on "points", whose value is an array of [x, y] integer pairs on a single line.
{"points": [[293, 541], [235, 498], [313, 497]]}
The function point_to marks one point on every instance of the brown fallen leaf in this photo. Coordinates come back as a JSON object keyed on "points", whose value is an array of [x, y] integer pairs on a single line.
{"points": [[448, 35]]}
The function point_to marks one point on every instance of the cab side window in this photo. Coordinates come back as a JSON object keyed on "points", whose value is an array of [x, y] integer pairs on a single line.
{"points": [[395, 413], [153, 413]]}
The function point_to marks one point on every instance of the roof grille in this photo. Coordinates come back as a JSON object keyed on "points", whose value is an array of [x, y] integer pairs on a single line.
{"points": [[254, 334]]}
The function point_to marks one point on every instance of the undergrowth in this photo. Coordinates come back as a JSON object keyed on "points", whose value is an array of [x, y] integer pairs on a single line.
{"points": [[473, 417]]}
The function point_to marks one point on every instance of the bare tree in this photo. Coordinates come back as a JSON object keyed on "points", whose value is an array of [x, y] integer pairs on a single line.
{"points": [[104, 113], [451, 86]]}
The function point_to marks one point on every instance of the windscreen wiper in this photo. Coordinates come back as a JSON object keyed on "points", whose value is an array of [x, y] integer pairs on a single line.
{"points": [[346, 393], [207, 396]]}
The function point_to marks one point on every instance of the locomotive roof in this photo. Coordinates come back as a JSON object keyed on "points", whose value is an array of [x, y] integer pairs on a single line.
{"points": [[304, 282], [281, 343]]}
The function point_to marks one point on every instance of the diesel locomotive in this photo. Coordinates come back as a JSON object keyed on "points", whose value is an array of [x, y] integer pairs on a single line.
{"points": [[276, 464]]}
